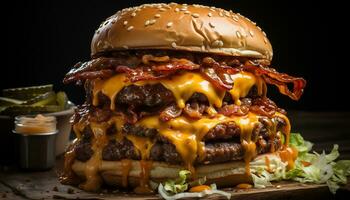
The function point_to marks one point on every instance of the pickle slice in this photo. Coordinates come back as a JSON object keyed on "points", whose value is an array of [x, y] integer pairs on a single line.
{"points": [[48, 98], [9, 101], [25, 93], [29, 109], [62, 99]]}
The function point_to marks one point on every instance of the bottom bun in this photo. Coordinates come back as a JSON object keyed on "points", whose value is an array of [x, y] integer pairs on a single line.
{"points": [[223, 174]]}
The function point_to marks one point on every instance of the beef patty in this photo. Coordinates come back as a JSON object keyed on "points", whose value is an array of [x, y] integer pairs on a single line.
{"points": [[221, 144]]}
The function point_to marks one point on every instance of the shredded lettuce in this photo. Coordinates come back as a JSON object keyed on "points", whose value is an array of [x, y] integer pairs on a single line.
{"points": [[178, 185], [168, 196], [309, 167], [175, 189]]}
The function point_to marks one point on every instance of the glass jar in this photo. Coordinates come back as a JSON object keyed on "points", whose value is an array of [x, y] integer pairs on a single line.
{"points": [[36, 141], [35, 125]]}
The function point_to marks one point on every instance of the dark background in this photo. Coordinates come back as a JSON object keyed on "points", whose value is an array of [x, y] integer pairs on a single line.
{"points": [[44, 39]]}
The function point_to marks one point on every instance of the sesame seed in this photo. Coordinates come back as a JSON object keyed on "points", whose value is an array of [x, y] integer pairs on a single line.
{"points": [[209, 14], [183, 9], [106, 22], [147, 23], [265, 40], [162, 9], [212, 9], [254, 23], [203, 48], [152, 21], [242, 43], [221, 14], [227, 14], [185, 4], [170, 24], [130, 28], [157, 15], [211, 25], [173, 44], [259, 28], [235, 17], [218, 43], [195, 15], [238, 34], [125, 23], [112, 21], [177, 9], [251, 33], [133, 14], [187, 12], [264, 33], [125, 47]]}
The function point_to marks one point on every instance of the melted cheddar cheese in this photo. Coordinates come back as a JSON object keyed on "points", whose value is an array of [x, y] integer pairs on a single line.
{"points": [[187, 134], [184, 133], [243, 82], [183, 86], [93, 179]]}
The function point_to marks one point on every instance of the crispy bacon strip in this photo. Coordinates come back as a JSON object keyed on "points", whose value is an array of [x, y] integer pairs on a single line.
{"points": [[265, 106], [161, 67], [104, 73], [217, 74], [280, 80], [156, 71]]}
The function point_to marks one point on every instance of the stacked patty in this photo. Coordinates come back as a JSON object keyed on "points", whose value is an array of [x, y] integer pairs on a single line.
{"points": [[222, 142]]}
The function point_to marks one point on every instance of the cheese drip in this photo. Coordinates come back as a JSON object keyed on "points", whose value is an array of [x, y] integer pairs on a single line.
{"points": [[183, 86], [187, 134], [243, 82], [247, 124], [93, 179]]}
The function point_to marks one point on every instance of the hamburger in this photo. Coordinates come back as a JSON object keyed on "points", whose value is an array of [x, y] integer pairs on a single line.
{"points": [[172, 87]]}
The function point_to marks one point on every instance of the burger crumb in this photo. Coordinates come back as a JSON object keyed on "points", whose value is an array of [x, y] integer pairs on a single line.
{"points": [[55, 189], [70, 191]]}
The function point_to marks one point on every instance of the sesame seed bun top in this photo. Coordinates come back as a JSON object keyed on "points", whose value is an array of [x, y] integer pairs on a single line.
{"points": [[194, 28]]}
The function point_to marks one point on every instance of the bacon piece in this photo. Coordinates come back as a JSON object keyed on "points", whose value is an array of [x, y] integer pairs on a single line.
{"points": [[265, 106], [280, 80], [155, 72], [217, 74], [147, 58], [104, 73], [195, 110], [233, 110], [170, 112]]}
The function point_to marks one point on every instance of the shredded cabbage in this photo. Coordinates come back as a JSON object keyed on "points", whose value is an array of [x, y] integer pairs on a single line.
{"points": [[309, 167], [178, 185], [175, 189], [168, 196]]}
